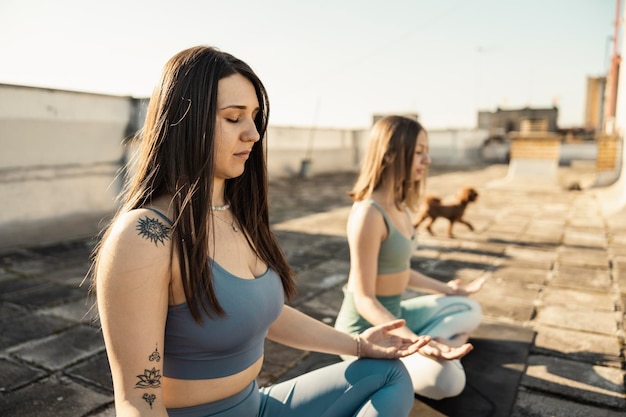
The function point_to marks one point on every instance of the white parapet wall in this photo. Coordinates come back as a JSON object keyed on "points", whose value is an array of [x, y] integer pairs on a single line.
{"points": [[292, 150], [60, 154], [456, 147]]}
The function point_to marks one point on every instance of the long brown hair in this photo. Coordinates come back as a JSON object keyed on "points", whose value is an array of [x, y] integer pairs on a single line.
{"points": [[177, 158], [389, 157]]}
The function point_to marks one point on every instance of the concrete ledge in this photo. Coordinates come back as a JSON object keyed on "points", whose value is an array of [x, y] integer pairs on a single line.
{"points": [[50, 231]]}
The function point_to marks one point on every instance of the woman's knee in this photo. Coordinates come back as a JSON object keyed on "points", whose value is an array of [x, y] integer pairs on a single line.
{"points": [[390, 370], [398, 372], [475, 312], [469, 312], [451, 382], [388, 381], [435, 379]]}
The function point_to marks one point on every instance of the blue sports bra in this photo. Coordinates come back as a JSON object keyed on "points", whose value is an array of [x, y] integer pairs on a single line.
{"points": [[396, 250], [222, 345]]}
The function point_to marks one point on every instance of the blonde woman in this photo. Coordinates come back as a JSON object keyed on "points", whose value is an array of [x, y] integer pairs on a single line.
{"points": [[382, 240]]}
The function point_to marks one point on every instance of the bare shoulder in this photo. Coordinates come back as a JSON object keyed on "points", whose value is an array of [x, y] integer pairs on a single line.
{"points": [[365, 211], [139, 240], [366, 219], [141, 227]]}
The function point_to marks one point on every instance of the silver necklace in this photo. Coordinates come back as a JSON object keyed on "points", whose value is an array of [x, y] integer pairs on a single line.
{"points": [[221, 208], [231, 224]]}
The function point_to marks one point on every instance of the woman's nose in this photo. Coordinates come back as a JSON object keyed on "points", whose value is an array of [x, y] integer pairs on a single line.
{"points": [[251, 133]]}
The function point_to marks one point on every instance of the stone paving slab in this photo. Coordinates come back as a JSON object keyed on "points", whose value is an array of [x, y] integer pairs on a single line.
{"points": [[6, 275], [106, 412], [582, 238], [583, 278], [26, 262], [8, 287], [94, 371], [52, 397], [9, 310], [587, 347], [68, 252], [71, 276], [79, 311], [63, 349], [542, 258], [488, 259], [527, 275], [599, 385], [27, 327], [585, 320], [531, 404], [44, 295], [446, 269], [514, 311], [585, 257], [505, 289], [325, 305], [591, 300], [16, 374]]}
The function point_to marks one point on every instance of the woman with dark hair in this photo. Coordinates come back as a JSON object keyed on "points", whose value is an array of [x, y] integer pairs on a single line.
{"points": [[382, 240], [190, 280]]}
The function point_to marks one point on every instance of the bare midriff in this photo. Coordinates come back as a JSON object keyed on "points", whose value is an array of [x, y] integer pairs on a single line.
{"points": [[392, 284], [178, 393]]}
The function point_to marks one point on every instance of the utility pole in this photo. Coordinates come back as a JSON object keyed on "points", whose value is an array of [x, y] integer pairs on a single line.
{"points": [[612, 78]]}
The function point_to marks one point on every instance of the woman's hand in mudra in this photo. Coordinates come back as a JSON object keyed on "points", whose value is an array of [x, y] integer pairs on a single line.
{"points": [[378, 342], [436, 349]]}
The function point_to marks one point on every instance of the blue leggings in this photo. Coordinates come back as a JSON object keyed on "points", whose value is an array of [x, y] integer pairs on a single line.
{"points": [[433, 315], [361, 388]]}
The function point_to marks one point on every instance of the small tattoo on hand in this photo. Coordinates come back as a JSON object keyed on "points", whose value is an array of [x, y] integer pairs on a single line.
{"points": [[153, 230], [149, 398]]}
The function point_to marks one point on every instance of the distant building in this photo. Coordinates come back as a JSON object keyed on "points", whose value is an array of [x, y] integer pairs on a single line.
{"points": [[594, 107], [503, 121]]}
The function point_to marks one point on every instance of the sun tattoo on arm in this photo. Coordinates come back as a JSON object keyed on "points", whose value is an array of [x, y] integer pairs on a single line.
{"points": [[151, 378], [153, 230]]}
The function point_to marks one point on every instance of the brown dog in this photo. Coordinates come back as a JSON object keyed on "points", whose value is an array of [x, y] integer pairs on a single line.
{"points": [[433, 208]]}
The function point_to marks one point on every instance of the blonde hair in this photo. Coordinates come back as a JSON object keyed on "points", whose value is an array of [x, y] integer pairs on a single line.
{"points": [[389, 157]]}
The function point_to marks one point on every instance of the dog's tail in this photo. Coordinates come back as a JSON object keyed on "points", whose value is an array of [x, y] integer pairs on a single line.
{"points": [[431, 200]]}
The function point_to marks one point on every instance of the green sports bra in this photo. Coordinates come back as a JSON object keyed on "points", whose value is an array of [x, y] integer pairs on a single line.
{"points": [[395, 251]]}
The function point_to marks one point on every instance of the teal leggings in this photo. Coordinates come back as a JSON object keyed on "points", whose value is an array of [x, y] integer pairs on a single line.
{"points": [[362, 388], [432, 315]]}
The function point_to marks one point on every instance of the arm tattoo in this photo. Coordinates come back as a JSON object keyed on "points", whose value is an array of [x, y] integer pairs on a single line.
{"points": [[151, 378], [149, 398], [155, 356], [153, 230]]}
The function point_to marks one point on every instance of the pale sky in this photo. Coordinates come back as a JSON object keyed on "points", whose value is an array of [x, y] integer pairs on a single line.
{"points": [[327, 63]]}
